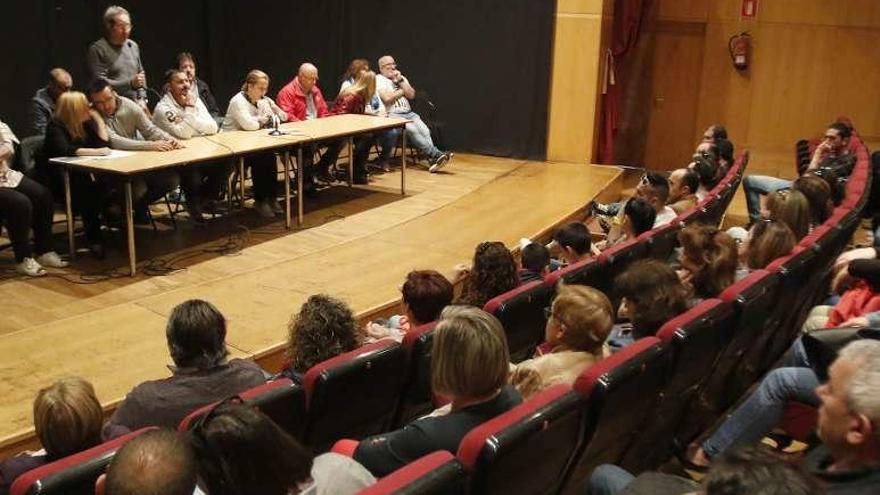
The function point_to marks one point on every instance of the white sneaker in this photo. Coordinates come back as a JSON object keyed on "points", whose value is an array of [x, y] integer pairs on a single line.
{"points": [[30, 267], [51, 260], [264, 209], [439, 162]]}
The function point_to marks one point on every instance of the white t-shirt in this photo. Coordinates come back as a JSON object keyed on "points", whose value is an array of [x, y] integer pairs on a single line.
{"points": [[401, 105], [664, 216]]}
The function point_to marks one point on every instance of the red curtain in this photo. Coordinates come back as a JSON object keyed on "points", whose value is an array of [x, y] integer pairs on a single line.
{"points": [[630, 16]]}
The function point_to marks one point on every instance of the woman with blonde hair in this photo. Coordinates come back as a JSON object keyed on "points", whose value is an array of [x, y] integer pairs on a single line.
{"points": [[578, 323], [767, 241], [469, 365], [250, 110], [354, 99], [77, 130], [67, 420]]}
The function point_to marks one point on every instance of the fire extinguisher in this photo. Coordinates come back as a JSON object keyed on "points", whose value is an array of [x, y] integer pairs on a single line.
{"points": [[739, 46]]}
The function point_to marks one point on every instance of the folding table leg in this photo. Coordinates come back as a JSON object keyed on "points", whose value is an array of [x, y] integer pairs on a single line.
{"points": [[68, 208]]}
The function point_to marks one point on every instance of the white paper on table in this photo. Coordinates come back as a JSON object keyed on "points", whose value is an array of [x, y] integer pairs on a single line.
{"points": [[74, 159]]}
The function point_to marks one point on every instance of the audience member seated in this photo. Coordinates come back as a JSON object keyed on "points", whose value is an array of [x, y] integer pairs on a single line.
{"points": [[683, 185], [638, 217], [651, 294], [324, 328], [425, 294], [387, 139], [183, 114], [354, 99], [713, 133], [767, 240], [302, 99], [753, 470], [67, 419], [77, 130], [847, 460], [241, 451], [858, 283], [198, 88], [708, 260], [725, 158], [534, 262], [25, 205], [574, 243], [818, 194], [157, 462], [577, 325], [250, 110], [469, 366], [131, 129], [706, 170], [832, 154], [43, 102], [493, 273], [201, 374], [117, 58], [395, 90], [792, 208]]}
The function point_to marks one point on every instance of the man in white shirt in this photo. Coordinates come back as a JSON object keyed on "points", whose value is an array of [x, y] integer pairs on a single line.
{"points": [[395, 91], [184, 115]]}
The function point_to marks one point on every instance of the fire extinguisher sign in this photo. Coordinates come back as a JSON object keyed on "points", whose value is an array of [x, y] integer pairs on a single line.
{"points": [[749, 9]]}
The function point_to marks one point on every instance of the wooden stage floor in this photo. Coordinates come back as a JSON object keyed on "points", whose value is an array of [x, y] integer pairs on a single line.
{"points": [[357, 244]]}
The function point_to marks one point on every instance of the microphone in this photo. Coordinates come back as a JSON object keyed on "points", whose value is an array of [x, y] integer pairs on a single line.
{"points": [[276, 121]]}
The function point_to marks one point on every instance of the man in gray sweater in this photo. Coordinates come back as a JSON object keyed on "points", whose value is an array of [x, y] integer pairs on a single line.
{"points": [[131, 129], [117, 58]]}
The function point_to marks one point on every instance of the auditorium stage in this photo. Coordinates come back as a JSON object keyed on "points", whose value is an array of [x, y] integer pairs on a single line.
{"points": [[357, 244]]}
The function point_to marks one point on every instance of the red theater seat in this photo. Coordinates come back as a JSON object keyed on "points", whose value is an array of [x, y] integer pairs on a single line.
{"points": [[521, 312], [417, 398], [435, 474]]}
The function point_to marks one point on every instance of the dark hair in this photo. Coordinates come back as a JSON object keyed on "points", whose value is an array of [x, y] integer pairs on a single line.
{"points": [[756, 471], [324, 328], [493, 273], [711, 152], [818, 194], [654, 292], [844, 130], [658, 185], [725, 149], [185, 56], [241, 451], [426, 293], [714, 253], [535, 257], [768, 240], [575, 236], [705, 169], [157, 462], [691, 180], [718, 131], [641, 215], [97, 85], [196, 334], [170, 73]]}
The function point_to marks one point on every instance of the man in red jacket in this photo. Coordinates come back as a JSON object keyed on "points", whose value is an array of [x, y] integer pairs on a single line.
{"points": [[302, 100]]}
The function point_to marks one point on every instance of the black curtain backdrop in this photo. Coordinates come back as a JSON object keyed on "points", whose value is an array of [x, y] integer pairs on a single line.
{"points": [[485, 64]]}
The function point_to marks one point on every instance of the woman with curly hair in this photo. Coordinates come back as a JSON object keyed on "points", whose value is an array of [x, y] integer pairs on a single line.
{"points": [[708, 260], [324, 328], [493, 273]]}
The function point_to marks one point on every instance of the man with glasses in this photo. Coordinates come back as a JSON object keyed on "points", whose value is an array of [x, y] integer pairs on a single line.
{"points": [[395, 91], [43, 102], [831, 155], [117, 58]]}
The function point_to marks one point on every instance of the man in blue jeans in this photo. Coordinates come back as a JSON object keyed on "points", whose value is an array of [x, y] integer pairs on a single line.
{"points": [[831, 154], [847, 461]]}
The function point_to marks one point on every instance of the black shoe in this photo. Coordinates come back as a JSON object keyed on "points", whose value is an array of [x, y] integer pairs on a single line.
{"points": [[310, 189], [98, 251], [361, 179]]}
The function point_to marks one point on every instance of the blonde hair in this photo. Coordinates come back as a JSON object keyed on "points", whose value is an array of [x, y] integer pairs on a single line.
{"points": [[68, 417], [791, 207], [253, 77], [69, 109], [365, 85], [587, 316], [469, 358]]}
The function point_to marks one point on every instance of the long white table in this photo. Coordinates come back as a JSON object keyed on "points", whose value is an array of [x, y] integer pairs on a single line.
{"points": [[225, 145]]}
